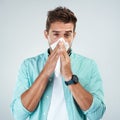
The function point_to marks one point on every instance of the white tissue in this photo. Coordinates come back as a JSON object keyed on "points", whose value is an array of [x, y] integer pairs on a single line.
{"points": [[62, 40], [57, 68]]}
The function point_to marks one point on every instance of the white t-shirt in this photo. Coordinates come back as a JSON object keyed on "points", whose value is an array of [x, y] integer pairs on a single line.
{"points": [[57, 110]]}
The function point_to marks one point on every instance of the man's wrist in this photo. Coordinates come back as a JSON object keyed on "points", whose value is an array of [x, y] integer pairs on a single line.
{"points": [[69, 77], [73, 80]]}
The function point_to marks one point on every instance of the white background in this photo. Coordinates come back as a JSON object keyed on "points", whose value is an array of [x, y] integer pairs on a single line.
{"points": [[22, 23]]}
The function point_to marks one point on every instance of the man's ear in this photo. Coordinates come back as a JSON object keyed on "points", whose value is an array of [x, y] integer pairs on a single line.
{"points": [[74, 35], [46, 34]]}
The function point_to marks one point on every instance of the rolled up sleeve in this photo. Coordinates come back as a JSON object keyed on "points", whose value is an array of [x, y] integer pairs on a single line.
{"points": [[17, 108], [97, 108]]}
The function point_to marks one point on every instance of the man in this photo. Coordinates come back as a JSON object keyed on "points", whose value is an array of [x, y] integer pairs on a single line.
{"points": [[59, 84]]}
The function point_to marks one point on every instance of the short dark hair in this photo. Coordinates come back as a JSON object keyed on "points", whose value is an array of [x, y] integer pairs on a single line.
{"points": [[61, 14]]}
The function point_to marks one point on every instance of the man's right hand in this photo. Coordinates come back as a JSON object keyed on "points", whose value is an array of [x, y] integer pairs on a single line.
{"points": [[51, 62]]}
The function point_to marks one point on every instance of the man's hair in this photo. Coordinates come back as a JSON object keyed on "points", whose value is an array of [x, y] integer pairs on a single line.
{"points": [[60, 14]]}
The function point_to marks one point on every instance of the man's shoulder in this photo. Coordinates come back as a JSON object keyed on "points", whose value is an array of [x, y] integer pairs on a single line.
{"points": [[82, 61], [37, 58], [81, 57]]}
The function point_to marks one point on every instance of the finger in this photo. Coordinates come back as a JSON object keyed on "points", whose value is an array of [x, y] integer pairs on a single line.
{"points": [[63, 49], [54, 55], [62, 57], [56, 51], [65, 54], [61, 45]]}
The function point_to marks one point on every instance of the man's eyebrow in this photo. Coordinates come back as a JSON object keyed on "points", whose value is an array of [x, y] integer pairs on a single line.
{"points": [[69, 31], [55, 31]]}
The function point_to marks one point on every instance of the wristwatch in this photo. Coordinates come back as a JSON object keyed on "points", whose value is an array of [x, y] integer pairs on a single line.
{"points": [[74, 80]]}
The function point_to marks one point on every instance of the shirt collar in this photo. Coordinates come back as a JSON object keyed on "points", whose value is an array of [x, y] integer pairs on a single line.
{"points": [[69, 51]]}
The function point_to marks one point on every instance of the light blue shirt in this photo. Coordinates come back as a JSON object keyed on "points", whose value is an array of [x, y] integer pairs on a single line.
{"points": [[89, 77]]}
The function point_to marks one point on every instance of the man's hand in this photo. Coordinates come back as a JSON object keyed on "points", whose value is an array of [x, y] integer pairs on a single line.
{"points": [[65, 68], [51, 62], [65, 63]]}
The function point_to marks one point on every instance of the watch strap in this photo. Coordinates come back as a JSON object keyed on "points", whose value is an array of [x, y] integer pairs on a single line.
{"points": [[73, 80]]}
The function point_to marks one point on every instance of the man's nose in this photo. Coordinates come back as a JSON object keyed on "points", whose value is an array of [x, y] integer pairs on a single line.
{"points": [[62, 36]]}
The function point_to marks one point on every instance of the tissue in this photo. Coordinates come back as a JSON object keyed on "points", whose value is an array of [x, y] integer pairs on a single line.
{"points": [[57, 68], [62, 40]]}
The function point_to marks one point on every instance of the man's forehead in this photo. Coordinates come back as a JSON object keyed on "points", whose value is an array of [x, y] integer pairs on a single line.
{"points": [[61, 27]]}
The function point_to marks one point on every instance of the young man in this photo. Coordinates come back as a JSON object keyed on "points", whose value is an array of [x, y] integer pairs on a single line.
{"points": [[59, 84]]}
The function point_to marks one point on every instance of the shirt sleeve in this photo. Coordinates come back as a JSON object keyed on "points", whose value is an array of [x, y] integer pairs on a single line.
{"points": [[17, 108], [97, 108]]}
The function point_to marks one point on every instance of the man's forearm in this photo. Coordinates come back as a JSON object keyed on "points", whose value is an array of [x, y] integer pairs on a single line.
{"points": [[32, 96], [83, 98]]}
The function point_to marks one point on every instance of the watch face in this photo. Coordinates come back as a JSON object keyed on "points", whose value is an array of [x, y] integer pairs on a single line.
{"points": [[75, 79]]}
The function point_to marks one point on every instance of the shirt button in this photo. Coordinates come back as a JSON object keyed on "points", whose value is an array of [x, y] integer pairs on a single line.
{"points": [[47, 96], [44, 113], [50, 79]]}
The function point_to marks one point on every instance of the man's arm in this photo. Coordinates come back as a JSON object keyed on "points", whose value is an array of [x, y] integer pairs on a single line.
{"points": [[32, 96], [89, 100], [82, 97], [26, 99]]}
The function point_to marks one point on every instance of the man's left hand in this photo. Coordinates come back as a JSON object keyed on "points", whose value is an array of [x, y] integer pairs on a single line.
{"points": [[65, 63]]}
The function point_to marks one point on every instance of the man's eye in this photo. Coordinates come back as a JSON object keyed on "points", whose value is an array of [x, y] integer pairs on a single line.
{"points": [[56, 34], [67, 35]]}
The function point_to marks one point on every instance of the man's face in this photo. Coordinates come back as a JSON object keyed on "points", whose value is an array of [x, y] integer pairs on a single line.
{"points": [[58, 30]]}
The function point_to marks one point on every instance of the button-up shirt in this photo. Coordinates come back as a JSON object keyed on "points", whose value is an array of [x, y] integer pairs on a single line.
{"points": [[89, 77]]}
